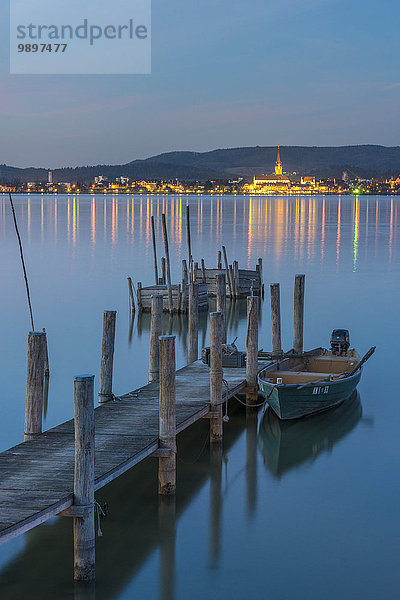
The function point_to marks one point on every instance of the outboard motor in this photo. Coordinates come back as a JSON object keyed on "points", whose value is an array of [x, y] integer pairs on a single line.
{"points": [[340, 341]]}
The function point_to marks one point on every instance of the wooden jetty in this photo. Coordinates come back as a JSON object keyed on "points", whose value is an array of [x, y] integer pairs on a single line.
{"points": [[239, 282], [180, 297]]}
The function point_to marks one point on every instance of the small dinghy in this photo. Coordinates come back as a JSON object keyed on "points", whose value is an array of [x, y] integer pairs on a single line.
{"points": [[300, 385]]}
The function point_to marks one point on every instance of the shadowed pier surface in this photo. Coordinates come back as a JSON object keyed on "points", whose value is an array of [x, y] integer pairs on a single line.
{"points": [[37, 476]]}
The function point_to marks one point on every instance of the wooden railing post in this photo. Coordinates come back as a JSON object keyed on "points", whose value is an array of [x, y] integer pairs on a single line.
{"points": [[167, 422], [299, 285], [216, 376], [276, 318], [252, 345], [155, 332], [34, 384], [107, 356], [193, 345], [221, 301], [84, 536]]}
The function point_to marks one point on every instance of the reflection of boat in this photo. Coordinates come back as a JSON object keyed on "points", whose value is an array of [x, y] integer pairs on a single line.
{"points": [[286, 444], [299, 385]]}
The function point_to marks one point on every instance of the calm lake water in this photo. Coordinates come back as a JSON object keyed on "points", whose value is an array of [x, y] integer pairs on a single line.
{"points": [[306, 510]]}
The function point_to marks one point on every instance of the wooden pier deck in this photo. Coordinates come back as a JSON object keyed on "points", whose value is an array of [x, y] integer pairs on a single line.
{"points": [[36, 477]]}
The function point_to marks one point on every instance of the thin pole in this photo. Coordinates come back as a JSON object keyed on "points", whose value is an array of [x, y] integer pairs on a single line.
{"points": [[203, 270], [167, 422], [236, 277], [155, 332], [163, 271], [228, 278], [23, 262], [299, 285], [170, 300], [184, 287], [84, 538], [189, 242], [193, 345], [153, 231], [216, 376], [131, 295], [219, 263], [107, 356], [34, 385], [276, 318], [221, 301]]}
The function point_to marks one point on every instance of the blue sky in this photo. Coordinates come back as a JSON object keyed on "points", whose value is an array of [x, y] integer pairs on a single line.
{"points": [[225, 73]]}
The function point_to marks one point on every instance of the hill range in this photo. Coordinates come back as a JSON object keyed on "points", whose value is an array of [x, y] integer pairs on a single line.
{"points": [[364, 161]]}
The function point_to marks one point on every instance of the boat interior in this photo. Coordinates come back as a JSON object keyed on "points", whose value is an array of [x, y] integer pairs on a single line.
{"points": [[311, 367]]}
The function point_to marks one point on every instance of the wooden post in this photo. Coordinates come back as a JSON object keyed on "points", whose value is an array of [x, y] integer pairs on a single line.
{"points": [[153, 231], [232, 286], [131, 296], [139, 295], [188, 232], [167, 423], [34, 384], [276, 318], [219, 263], [228, 276], [155, 332], [46, 355], [299, 285], [216, 376], [163, 271], [252, 346], [221, 301], [107, 356], [193, 345], [170, 300], [236, 277], [203, 270], [84, 537], [260, 270], [185, 279]]}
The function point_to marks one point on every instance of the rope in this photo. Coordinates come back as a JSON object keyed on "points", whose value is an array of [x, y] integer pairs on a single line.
{"points": [[100, 513]]}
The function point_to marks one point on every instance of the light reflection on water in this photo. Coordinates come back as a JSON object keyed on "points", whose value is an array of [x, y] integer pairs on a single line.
{"points": [[311, 523]]}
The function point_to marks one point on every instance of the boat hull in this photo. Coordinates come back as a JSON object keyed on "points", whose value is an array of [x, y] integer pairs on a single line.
{"points": [[294, 401]]}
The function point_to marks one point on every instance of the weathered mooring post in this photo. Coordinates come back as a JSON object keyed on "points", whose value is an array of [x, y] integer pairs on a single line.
{"points": [[193, 345], [299, 286], [107, 356], [163, 271], [216, 375], [169, 285], [167, 423], [203, 271], [276, 318], [131, 296], [185, 280], [221, 301], [219, 262], [155, 332], [252, 349], [236, 278], [34, 384], [84, 536], [228, 274], [153, 233]]}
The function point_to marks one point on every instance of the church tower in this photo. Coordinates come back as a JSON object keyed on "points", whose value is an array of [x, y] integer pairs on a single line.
{"points": [[278, 164]]}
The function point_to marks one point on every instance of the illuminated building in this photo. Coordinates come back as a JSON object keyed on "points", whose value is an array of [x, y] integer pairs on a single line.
{"points": [[277, 182]]}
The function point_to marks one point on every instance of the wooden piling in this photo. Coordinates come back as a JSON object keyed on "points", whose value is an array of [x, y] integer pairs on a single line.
{"points": [[163, 272], [228, 276], [34, 384], [252, 347], [203, 270], [232, 284], [219, 262], [107, 356], [216, 376], [221, 301], [193, 344], [259, 268], [276, 318], [236, 278], [84, 536], [131, 296], [167, 422], [46, 355], [185, 279], [155, 332], [153, 232], [189, 243], [169, 286], [139, 295], [299, 286]]}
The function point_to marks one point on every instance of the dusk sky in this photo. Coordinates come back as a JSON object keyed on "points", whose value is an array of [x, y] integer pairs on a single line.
{"points": [[224, 74]]}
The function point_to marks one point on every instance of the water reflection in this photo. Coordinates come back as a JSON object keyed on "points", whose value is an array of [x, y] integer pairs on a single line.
{"points": [[288, 444]]}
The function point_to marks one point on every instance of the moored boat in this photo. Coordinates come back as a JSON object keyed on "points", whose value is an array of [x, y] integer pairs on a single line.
{"points": [[300, 385]]}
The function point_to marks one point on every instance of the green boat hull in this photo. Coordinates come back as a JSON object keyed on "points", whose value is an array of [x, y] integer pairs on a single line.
{"points": [[294, 401]]}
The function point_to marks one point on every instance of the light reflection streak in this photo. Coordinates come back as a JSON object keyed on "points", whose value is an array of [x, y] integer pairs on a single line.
{"points": [[323, 231], [356, 232], [338, 232], [93, 221]]}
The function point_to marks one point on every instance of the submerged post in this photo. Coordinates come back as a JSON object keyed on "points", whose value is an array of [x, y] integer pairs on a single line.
{"points": [[216, 376], [221, 301], [193, 345], [299, 285], [107, 356], [167, 423], [252, 347], [155, 332], [34, 384], [84, 538], [276, 318]]}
